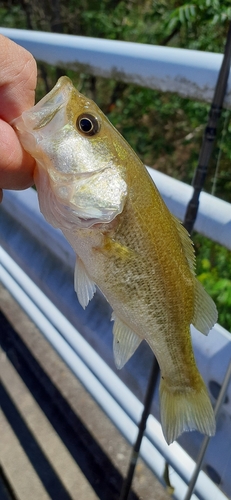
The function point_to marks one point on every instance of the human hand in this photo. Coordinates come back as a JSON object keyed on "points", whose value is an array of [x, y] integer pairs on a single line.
{"points": [[18, 77]]}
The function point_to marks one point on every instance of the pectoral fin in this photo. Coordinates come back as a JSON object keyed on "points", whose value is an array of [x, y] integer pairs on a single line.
{"points": [[114, 248], [205, 312], [125, 342], [84, 286]]}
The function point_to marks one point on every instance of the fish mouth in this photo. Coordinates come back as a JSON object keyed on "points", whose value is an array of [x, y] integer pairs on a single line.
{"points": [[47, 108], [52, 103]]}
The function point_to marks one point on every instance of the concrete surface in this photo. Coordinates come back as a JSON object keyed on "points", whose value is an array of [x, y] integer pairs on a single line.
{"points": [[17, 468]]}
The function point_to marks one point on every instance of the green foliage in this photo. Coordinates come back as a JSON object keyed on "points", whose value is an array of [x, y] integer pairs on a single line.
{"points": [[199, 24], [12, 17], [164, 129], [214, 272]]}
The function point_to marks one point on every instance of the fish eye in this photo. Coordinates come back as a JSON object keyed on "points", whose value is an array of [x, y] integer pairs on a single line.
{"points": [[88, 124]]}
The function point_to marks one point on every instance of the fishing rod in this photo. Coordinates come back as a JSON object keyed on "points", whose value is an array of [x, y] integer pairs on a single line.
{"points": [[209, 137], [193, 206], [126, 488], [189, 221]]}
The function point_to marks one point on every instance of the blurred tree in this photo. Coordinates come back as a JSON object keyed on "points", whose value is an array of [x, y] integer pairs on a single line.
{"points": [[168, 129], [164, 129]]}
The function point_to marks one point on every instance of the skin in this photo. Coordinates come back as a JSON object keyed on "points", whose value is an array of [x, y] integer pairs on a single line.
{"points": [[18, 78]]}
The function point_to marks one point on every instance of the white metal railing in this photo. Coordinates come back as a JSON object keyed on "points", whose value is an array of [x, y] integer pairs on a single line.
{"points": [[118, 402], [189, 73]]}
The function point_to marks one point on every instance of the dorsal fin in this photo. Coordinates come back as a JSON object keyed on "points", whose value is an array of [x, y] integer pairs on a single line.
{"points": [[186, 243], [205, 312]]}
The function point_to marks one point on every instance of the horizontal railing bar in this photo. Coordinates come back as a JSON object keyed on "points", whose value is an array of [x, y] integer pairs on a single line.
{"points": [[28, 237], [189, 73], [114, 411], [213, 220], [219, 403], [214, 216], [166, 69], [87, 364]]}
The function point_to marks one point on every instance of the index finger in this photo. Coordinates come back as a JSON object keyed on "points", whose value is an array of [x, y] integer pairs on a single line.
{"points": [[18, 76]]}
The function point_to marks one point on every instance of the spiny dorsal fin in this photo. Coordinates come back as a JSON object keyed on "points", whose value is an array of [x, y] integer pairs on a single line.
{"points": [[84, 286], [125, 342], [205, 311], [186, 243]]}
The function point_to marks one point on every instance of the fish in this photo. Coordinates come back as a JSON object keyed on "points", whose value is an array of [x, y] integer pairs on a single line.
{"points": [[92, 185]]}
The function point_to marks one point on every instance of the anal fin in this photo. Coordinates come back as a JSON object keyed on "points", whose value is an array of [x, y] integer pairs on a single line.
{"points": [[125, 342], [84, 286]]}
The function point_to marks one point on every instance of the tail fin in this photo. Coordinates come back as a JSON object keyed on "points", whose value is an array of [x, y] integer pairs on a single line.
{"points": [[185, 410]]}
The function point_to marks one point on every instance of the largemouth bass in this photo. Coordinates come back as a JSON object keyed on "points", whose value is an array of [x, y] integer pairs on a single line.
{"points": [[93, 187]]}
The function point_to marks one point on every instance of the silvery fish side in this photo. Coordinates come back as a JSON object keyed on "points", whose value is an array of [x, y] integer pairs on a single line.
{"points": [[95, 189]]}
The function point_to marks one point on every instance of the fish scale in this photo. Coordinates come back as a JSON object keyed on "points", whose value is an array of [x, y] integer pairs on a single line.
{"points": [[93, 187]]}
